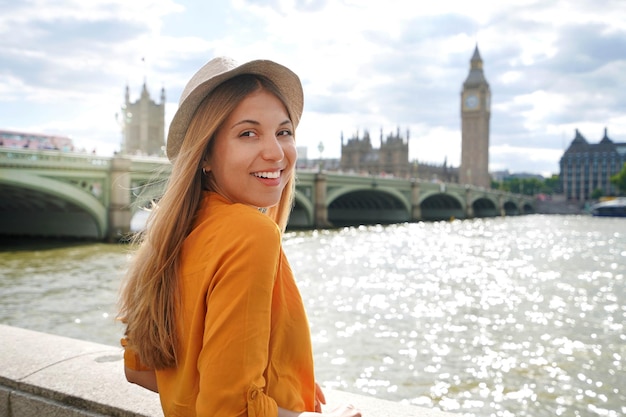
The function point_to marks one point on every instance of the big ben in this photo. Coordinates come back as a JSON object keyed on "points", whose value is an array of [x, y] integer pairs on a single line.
{"points": [[475, 113]]}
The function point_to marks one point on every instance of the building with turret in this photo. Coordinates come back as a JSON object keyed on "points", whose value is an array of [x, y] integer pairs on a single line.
{"points": [[475, 114], [359, 155], [586, 167], [392, 157], [143, 125]]}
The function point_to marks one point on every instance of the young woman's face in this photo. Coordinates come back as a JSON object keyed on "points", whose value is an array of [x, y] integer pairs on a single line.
{"points": [[254, 152]]}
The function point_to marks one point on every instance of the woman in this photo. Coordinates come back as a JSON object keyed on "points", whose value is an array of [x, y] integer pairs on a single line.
{"points": [[214, 321]]}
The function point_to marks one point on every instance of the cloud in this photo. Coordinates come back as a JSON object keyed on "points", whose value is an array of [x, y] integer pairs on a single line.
{"points": [[365, 65], [544, 162]]}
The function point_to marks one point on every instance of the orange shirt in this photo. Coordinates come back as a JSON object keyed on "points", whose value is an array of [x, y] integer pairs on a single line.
{"points": [[244, 336]]}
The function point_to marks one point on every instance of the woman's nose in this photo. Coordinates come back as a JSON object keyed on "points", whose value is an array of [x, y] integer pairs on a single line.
{"points": [[272, 149]]}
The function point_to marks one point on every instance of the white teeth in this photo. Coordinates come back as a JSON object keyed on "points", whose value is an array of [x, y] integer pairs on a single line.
{"points": [[274, 174]]}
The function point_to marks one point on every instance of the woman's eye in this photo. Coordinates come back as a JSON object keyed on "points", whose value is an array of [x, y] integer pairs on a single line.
{"points": [[248, 133], [285, 132]]}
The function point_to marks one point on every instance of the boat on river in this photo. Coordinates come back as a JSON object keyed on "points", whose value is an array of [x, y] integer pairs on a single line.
{"points": [[611, 208]]}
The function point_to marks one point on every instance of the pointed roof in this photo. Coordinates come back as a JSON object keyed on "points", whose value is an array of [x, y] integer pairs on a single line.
{"points": [[579, 144], [144, 90], [579, 139], [606, 144], [476, 77], [476, 56], [605, 138]]}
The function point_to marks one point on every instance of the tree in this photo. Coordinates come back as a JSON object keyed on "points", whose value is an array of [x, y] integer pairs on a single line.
{"points": [[552, 185], [619, 180], [597, 193], [528, 186]]}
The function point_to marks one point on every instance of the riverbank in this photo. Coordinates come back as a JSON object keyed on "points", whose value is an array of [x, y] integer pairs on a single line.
{"points": [[557, 204]]}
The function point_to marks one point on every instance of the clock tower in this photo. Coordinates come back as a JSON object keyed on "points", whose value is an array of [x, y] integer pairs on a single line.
{"points": [[475, 113]]}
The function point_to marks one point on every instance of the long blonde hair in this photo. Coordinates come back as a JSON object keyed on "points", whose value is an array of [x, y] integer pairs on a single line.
{"points": [[150, 297]]}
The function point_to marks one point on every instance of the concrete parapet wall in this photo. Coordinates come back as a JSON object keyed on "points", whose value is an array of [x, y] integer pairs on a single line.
{"points": [[45, 375]]}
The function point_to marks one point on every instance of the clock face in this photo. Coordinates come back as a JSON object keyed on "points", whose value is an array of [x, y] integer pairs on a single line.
{"points": [[471, 101]]}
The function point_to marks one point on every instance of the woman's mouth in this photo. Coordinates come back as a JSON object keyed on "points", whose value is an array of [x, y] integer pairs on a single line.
{"points": [[267, 174]]}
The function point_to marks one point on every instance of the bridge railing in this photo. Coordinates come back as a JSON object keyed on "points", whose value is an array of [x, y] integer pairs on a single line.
{"points": [[154, 166], [15, 157]]}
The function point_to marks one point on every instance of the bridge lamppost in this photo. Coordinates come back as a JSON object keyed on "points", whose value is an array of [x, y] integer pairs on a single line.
{"points": [[123, 119], [320, 165]]}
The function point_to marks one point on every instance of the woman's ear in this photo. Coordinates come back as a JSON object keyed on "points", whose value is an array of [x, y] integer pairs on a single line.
{"points": [[206, 166]]}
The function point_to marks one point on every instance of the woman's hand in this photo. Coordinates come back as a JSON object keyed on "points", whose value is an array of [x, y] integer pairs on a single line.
{"points": [[319, 398], [344, 411]]}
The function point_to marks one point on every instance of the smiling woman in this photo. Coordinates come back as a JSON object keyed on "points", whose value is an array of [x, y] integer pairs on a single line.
{"points": [[214, 320], [253, 155]]}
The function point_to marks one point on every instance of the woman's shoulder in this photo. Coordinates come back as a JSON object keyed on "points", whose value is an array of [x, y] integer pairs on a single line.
{"points": [[250, 219]]}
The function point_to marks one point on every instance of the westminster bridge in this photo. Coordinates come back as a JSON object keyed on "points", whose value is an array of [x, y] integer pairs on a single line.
{"points": [[57, 194]]}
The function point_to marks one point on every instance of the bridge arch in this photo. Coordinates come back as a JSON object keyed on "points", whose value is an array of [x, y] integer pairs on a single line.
{"points": [[349, 206], [527, 208], [484, 206], [69, 211], [510, 208], [441, 206], [302, 212]]}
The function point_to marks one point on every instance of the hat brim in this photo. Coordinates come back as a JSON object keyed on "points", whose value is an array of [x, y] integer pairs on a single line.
{"points": [[216, 72]]}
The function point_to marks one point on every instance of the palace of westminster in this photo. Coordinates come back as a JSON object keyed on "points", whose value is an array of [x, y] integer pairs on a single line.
{"points": [[584, 167]]}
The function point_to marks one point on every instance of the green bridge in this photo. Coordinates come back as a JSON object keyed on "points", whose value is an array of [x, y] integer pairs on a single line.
{"points": [[56, 194]]}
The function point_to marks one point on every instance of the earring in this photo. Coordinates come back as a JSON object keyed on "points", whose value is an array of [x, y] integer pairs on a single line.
{"points": [[204, 171]]}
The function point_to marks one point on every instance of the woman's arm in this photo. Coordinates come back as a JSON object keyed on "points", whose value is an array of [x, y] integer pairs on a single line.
{"points": [[146, 379], [135, 371]]}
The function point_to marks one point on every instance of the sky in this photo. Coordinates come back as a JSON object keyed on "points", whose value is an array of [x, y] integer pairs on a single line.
{"points": [[365, 65]]}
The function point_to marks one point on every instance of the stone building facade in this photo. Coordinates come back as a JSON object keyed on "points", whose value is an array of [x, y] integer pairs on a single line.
{"points": [[585, 167], [143, 125], [359, 155]]}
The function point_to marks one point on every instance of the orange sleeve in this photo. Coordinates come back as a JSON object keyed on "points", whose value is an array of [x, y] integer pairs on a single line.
{"points": [[131, 358], [237, 328]]}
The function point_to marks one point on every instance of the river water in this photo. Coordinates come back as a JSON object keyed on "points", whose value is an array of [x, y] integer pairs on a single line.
{"points": [[515, 316]]}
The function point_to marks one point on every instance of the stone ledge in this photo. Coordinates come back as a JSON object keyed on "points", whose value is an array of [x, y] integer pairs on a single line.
{"points": [[48, 376]]}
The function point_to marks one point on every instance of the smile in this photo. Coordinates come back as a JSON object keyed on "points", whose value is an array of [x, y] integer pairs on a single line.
{"points": [[267, 174]]}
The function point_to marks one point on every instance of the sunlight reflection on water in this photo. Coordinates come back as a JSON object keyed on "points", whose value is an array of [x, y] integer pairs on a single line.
{"points": [[499, 317], [516, 316]]}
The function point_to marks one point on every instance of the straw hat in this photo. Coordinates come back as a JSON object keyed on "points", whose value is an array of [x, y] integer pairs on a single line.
{"points": [[215, 72]]}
